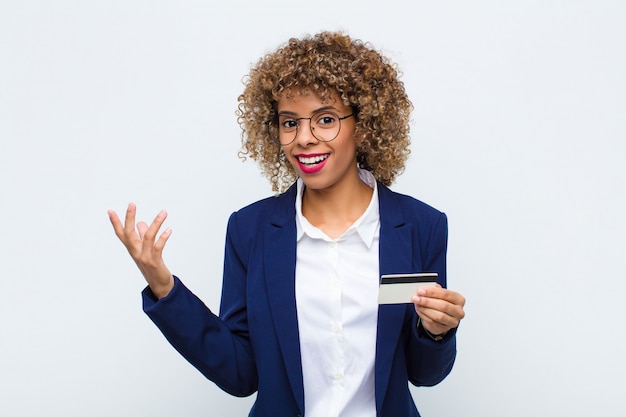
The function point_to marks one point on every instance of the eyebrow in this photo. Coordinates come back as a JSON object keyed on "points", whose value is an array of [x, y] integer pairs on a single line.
{"points": [[321, 109]]}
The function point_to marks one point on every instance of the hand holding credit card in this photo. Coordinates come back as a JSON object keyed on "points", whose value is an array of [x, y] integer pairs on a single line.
{"points": [[399, 288]]}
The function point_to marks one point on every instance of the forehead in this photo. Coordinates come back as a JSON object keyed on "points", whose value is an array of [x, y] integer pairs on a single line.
{"points": [[304, 100]]}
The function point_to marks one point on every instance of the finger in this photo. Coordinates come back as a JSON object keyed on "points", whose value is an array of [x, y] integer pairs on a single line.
{"points": [[439, 307], [432, 326], [160, 243], [120, 232], [444, 318], [116, 223], [129, 221], [437, 322], [435, 304], [150, 233], [436, 327], [438, 292]]}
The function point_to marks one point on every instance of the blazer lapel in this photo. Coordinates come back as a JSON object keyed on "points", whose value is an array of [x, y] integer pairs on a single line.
{"points": [[395, 252], [280, 263]]}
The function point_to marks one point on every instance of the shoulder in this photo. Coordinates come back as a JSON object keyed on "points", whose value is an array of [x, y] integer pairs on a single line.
{"points": [[409, 207], [247, 226], [270, 208]]}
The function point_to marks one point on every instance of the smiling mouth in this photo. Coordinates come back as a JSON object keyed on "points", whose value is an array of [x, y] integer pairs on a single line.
{"points": [[312, 160]]}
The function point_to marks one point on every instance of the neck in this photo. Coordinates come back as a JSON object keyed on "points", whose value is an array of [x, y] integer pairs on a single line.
{"points": [[335, 210]]}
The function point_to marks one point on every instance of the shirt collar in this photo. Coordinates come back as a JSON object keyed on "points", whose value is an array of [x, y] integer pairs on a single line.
{"points": [[366, 226]]}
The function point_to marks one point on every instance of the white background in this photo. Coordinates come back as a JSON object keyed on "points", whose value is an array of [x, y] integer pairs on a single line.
{"points": [[518, 135]]}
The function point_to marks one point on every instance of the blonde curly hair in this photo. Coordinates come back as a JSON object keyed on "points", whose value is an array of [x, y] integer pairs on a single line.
{"points": [[363, 79]]}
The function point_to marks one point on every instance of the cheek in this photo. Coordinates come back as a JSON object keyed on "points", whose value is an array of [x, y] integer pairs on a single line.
{"points": [[348, 148], [291, 160]]}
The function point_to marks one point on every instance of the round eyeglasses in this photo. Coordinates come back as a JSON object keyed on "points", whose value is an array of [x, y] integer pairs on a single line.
{"points": [[325, 126]]}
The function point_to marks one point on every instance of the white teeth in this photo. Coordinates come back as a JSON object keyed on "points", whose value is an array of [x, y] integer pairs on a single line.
{"points": [[312, 160]]}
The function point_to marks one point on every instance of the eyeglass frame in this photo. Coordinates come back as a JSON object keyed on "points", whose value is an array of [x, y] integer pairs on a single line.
{"points": [[274, 120]]}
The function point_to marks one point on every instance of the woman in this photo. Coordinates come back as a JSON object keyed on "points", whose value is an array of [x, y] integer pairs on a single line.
{"points": [[326, 118]]}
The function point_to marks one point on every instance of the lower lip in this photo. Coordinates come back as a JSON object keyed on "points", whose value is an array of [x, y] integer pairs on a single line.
{"points": [[312, 169]]}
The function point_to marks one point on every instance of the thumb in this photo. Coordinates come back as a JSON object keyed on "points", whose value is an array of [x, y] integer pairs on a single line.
{"points": [[141, 228]]}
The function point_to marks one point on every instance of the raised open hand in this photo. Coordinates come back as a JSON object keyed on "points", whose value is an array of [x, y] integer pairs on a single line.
{"points": [[145, 249]]}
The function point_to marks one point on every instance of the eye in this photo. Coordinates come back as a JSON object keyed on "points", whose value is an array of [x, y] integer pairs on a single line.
{"points": [[326, 120], [288, 124]]}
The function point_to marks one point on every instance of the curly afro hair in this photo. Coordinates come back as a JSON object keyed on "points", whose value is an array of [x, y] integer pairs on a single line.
{"points": [[363, 79]]}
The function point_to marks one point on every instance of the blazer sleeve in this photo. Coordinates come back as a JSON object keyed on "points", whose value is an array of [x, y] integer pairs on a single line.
{"points": [[219, 347], [429, 361]]}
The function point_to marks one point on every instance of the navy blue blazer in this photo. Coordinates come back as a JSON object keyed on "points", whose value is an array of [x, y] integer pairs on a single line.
{"points": [[253, 345]]}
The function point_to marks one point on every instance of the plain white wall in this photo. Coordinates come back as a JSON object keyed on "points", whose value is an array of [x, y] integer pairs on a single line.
{"points": [[518, 135]]}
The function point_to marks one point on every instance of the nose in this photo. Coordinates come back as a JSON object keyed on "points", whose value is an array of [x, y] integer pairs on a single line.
{"points": [[304, 134]]}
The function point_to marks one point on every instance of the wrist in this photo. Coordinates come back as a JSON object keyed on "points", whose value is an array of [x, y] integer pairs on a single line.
{"points": [[162, 290], [437, 337]]}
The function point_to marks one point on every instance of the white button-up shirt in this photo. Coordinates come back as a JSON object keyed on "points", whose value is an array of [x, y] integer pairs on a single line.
{"points": [[337, 302]]}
